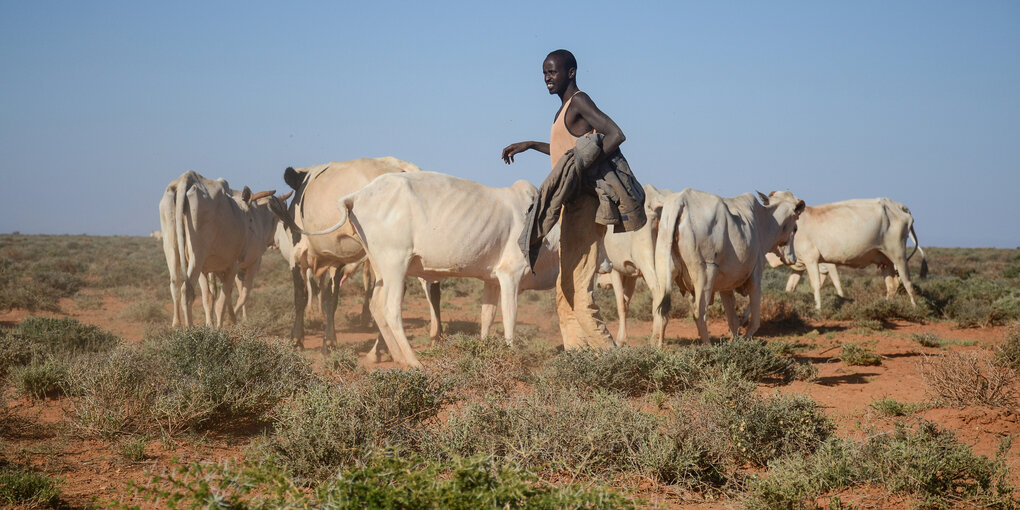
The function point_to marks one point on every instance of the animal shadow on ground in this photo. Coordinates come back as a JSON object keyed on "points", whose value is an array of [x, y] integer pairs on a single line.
{"points": [[833, 380], [793, 327], [462, 328]]}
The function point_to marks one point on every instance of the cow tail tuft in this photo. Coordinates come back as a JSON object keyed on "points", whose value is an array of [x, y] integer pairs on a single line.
{"points": [[917, 247]]}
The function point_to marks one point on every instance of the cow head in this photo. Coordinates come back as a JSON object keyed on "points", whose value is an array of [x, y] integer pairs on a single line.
{"points": [[293, 178], [785, 208], [654, 200]]}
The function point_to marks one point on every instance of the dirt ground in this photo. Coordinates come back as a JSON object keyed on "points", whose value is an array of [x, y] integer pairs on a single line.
{"points": [[94, 472]]}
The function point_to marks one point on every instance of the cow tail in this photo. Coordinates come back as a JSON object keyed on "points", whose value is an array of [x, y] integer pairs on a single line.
{"points": [[181, 196], [671, 212], [917, 247], [344, 205]]}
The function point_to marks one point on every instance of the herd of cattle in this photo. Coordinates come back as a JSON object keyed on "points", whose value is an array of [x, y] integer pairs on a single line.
{"points": [[398, 221]]}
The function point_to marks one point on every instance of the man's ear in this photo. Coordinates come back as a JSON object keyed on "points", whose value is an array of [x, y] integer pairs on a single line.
{"points": [[572, 73]]}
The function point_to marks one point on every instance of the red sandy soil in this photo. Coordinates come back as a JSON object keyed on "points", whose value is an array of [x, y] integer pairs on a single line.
{"points": [[95, 472]]}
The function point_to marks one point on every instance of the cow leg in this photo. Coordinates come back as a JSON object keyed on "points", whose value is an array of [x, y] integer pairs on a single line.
{"points": [[367, 278], [312, 291], [754, 305], [246, 286], [378, 309], [904, 275], [816, 284], [205, 287], [834, 274], [490, 294], [626, 292], [730, 306], [223, 302], [175, 294], [297, 333], [432, 294], [704, 287], [793, 281], [393, 297], [330, 298], [508, 287]]}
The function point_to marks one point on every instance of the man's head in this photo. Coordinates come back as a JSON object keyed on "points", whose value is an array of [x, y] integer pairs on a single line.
{"points": [[559, 70]]}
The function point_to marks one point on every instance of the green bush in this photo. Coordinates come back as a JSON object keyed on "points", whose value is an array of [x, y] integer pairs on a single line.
{"points": [[890, 407], [759, 428], [927, 463], [196, 378], [1007, 354], [630, 370], [857, 355], [476, 365], [330, 426], [146, 311], [41, 378], [384, 481], [751, 358], [22, 487]]}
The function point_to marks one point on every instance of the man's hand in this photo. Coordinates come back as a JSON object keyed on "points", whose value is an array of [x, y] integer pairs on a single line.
{"points": [[516, 148]]}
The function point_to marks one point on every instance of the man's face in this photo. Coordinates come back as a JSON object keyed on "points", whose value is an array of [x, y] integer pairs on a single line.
{"points": [[557, 76]]}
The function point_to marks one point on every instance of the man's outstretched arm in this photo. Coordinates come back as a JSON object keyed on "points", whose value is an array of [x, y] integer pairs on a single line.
{"points": [[516, 148]]}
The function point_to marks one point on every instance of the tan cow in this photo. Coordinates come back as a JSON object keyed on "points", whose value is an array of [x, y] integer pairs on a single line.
{"points": [[856, 233], [632, 255], [434, 226], [707, 243], [313, 207], [209, 228]]}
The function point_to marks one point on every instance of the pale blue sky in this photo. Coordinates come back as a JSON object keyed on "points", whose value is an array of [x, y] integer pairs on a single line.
{"points": [[103, 103]]}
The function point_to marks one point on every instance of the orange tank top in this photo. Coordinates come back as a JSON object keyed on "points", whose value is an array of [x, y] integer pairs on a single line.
{"points": [[560, 139]]}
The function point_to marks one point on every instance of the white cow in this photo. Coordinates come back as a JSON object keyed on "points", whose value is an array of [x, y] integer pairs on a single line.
{"points": [[313, 207], [824, 270], [547, 267], [434, 226], [708, 243], [856, 233], [209, 228], [632, 255]]}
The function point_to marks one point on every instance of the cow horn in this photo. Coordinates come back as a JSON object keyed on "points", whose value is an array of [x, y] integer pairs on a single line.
{"points": [[262, 194], [764, 198], [285, 197]]}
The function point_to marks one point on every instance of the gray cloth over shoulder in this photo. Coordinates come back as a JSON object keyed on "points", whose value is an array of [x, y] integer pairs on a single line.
{"points": [[621, 197]]}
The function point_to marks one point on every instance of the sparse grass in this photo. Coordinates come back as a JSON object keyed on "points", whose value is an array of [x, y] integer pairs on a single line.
{"points": [[23, 487], [86, 301], [1007, 354], [890, 407], [934, 341], [969, 378], [629, 370], [854, 354], [483, 365], [331, 426], [133, 448], [383, 481], [185, 379], [926, 463], [151, 312]]}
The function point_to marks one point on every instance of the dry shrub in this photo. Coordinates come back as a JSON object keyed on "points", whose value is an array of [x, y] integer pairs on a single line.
{"points": [[969, 378]]}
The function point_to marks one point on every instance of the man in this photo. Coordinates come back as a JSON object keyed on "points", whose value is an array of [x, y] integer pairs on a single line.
{"points": [[580, 322]]}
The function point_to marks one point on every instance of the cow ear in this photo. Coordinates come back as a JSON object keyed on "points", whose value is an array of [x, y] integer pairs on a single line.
{"points": [[764, 198], [246, 195], [800, 207], [292, 178]]}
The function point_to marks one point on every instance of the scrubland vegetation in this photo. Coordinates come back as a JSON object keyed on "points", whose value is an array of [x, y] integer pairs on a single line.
{"points": [[485, 425]]}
